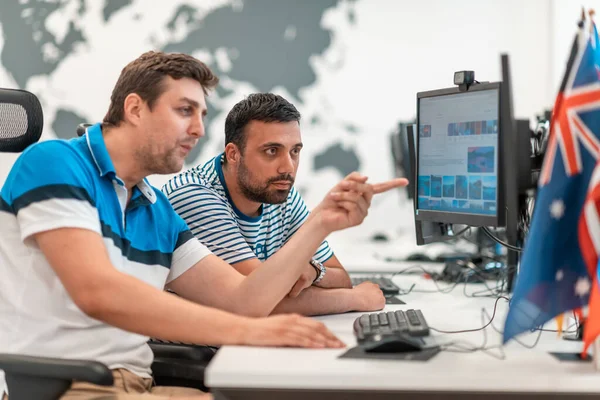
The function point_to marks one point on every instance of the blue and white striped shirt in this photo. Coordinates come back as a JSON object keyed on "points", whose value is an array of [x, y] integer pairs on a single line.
{"points": [[201, 198]]}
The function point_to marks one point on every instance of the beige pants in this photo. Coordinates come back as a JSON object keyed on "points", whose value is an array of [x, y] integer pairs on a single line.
{"points": [[128, 386]]}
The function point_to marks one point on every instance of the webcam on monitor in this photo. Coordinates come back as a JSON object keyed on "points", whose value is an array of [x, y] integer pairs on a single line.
{"points": [[464, 79]]}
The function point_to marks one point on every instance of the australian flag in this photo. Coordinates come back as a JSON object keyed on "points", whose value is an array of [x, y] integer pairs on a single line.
{"points": [[559, 263]]}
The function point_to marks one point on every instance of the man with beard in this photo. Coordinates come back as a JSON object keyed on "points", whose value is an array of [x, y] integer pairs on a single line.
{"points": [[242, 205]]}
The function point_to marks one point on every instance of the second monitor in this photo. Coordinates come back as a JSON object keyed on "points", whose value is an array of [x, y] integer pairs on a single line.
{"points": [[459, 171]]}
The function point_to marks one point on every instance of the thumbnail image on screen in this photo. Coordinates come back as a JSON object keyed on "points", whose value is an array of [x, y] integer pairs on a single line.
{"points": [[458, 152]]}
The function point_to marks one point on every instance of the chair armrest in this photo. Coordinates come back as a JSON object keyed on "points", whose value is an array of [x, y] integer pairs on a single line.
{"points": [[43, 378], [188, 352], [180, 364], [56, 368]]}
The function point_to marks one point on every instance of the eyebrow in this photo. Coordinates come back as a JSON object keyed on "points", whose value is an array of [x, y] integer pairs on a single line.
{"points": [[275, 144]]}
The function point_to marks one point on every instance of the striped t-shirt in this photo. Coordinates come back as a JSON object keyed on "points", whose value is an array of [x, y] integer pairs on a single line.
{"points": [[201, 198]]}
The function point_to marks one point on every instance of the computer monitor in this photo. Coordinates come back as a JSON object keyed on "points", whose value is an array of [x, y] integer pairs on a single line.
{"points": [[459, 167], [516, 169]]}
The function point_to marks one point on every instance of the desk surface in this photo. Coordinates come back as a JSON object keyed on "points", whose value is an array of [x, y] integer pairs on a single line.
{"points": [[521, 371]]}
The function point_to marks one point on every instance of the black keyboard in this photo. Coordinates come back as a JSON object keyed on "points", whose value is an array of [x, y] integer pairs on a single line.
{"points": [[409, 322], [385, 284]]}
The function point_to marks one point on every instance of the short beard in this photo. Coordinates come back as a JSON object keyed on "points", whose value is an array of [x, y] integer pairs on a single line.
{"points": [[168, 164], [261, 193]]}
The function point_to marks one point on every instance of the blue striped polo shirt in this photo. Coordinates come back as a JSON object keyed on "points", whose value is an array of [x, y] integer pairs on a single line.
{"points": [[73, 184], [201, 198]]}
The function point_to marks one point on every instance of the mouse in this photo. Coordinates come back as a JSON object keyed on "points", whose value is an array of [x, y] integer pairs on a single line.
{"points": [[391, 343], [418, 257]]}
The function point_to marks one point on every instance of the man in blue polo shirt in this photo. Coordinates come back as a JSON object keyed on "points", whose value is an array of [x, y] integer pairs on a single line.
{"points": [[242, 205]]}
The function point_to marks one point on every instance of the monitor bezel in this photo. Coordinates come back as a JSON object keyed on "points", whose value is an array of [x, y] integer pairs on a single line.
{"points": [[456, 217]]}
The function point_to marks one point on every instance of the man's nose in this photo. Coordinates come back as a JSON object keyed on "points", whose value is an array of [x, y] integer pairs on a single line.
{"points": [[196, 128], [286, 165]]}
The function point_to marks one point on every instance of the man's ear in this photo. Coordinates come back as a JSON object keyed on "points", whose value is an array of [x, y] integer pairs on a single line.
{"points": [[132, 109], [232, 153]]}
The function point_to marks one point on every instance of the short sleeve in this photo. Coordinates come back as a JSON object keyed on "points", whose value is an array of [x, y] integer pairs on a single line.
{"points": [[49, 188], [210, 219], [188, 251]]}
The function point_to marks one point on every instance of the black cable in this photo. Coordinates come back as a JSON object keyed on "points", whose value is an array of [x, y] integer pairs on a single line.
{"points": [[485, 315], [531, 346], [471, 348], [475, 329], [493, 292], [494, 238], [458, 234]]}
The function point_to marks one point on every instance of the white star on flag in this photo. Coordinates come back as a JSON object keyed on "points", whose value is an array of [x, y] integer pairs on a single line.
{"points": [[557, 209], [560, 275], [582, 287]]}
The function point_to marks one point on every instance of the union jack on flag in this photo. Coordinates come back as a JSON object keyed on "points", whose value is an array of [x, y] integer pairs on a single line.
{"points": [[559, 263]]}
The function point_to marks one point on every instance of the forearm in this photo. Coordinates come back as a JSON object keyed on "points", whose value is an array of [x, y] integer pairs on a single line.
{"points": [[263, 289], [318, 301], [127, 303], [336, 277]]}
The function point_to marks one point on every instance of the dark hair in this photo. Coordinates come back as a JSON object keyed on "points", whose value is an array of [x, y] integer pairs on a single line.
{"points": [[265, 107], [145, 76]]}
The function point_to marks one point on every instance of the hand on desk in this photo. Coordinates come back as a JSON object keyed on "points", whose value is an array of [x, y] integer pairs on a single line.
{"points": [[369, 297], [289, 330]]}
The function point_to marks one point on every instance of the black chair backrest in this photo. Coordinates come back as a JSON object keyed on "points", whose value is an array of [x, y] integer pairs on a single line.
{"points": [[21, 120]]}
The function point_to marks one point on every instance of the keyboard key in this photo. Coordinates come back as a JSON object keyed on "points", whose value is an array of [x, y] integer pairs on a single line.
{"points": [[374, 320], [412, 317], [383, 319]]}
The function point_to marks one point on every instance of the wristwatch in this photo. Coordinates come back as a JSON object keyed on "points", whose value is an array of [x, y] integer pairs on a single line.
{"points": [[320, 268]]}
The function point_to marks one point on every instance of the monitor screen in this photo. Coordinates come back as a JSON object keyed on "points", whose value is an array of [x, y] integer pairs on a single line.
{"points": [[458, 155]]}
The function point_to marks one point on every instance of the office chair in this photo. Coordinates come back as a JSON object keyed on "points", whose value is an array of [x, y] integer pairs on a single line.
{"points": [[21, 123], [43, 378]]}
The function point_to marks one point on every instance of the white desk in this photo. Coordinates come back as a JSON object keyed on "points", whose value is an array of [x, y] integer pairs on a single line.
{"points": [[257, 373]]}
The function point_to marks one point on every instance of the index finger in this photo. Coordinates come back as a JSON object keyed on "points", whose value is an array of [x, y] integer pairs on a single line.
{"points": [[388, 185]]}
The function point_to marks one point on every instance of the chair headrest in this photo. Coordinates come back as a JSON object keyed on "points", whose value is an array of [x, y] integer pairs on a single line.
{"points": [[21, 119]]}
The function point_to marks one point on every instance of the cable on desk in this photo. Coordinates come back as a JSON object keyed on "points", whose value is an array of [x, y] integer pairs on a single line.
{"points": [[475, 329], [485, 316], [540, 329], [495, 238], [493, 291], [461, 345]]}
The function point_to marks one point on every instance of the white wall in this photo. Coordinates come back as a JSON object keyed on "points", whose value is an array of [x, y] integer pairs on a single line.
{"points": [[564, 16], [395, 49]]}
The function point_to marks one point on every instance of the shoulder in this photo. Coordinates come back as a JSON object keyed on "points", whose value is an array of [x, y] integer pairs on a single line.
{"points": [[202, 176], [51, 162], [163, 210], [55, 150]]}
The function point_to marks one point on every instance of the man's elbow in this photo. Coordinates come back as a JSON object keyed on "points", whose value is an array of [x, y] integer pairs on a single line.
{"points": [[252, 311], [92, 302]]}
